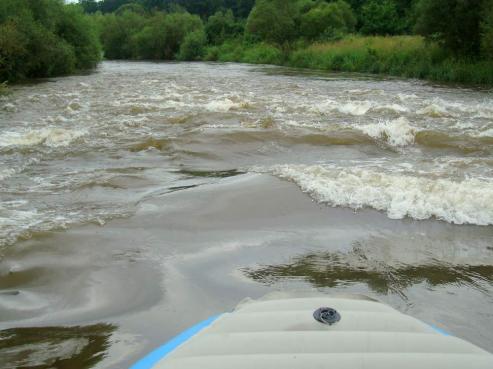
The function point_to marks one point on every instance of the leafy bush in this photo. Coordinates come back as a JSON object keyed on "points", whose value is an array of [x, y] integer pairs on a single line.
{"points": [[193, 46], [327, 21], [273, 20], [45, 38], [157, 36], [379, 17], [262, 54], [221, 26], [151, 41], [487, 31], [79, 32], [117, 32], [454, 24]]}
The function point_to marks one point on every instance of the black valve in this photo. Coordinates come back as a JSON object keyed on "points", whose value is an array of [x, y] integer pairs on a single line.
{"points": [[327, 315]]}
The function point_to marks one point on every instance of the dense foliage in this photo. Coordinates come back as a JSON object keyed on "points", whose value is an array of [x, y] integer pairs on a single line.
{"points": [[204, 8], [327, 20], [48, 37], [459, 25], [273, 20], [131, 35], [42, 38]]}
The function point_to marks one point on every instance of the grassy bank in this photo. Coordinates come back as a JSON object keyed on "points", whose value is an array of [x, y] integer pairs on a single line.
{"points": [[403, 56]]}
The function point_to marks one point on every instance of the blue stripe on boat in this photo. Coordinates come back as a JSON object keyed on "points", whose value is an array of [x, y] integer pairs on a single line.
{"points": [[439, 330], [151, 359]]}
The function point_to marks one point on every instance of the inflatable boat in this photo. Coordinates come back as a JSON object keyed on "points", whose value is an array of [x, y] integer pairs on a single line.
{"points": [[282, 331]]}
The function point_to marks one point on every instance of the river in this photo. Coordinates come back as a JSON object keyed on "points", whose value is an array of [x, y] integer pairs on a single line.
{"points": [[144, 197]]}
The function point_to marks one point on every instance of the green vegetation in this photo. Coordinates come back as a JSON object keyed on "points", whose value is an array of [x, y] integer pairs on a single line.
{"points": [[407, 56], [43, 38], [272, 21], [159, 36], [379, 17], [327, 21], [4, 89], [443, 40]]}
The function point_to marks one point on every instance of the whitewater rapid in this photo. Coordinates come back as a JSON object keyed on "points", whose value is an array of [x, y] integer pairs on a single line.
{"points": [[87, 149]]}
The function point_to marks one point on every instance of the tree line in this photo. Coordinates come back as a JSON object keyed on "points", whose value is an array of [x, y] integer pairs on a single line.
{"points": [[40, 38], [156, 29], [43, 38]]}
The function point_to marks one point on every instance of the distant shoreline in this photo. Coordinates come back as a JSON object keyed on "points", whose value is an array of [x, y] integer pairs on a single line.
{"points": [[397, 56]]}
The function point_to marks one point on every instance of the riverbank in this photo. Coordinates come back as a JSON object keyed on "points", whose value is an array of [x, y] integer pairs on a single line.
{"points": [[399, 56]]}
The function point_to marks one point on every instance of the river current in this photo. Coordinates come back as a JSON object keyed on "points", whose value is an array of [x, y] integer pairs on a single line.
{"points": [[405, 165]]}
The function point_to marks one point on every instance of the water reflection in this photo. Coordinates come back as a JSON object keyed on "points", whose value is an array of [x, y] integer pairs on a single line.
{"points": [[328, 269], [54, 347]]}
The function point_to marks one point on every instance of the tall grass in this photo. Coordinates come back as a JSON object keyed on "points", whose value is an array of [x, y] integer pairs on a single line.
{"points": [[403, 56], [407, 56]]}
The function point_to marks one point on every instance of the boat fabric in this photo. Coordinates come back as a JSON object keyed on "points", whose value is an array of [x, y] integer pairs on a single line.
{"points": [[279, 332]]}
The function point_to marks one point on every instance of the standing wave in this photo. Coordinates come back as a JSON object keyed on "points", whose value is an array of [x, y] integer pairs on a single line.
{"points": [[469, 201]]}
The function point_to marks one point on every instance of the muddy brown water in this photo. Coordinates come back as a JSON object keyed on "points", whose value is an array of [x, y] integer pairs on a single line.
{"points": [[145, 197]]}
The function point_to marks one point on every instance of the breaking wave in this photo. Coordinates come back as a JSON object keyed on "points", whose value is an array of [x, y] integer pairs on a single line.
{"points": [[434, 111], [52, 137], [397, 132], [225, 105], [469, 201]]}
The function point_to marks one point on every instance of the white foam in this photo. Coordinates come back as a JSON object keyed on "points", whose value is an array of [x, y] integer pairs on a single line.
{"points": [[9, 107], [355, 108], [397, 132], [460, 202], [396, 108], [434, 111], [358, 91], [486, 133], [52, 137], [6, 173], [223, 105], [406, 97]]}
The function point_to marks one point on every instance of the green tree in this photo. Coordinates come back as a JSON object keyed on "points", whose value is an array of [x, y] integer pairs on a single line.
{"points": [[43, 38], [158, 37], [327, 20], [117, 32], [487, 30], [240, 8], [89, 6], [455, 24], [193, 46], [109, 6], [273, 20], [81, 34], [380, 17], [150, 42], [132, 7], [176, 27], [13, 50], [222, 26]]}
